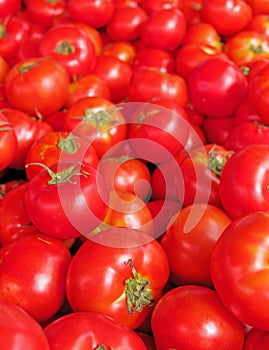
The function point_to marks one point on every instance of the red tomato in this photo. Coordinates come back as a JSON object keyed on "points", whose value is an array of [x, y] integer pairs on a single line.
{"points": [[126, 23], [37, 86], [152, 6], [66, 200], [8, 142], [260, 24], [93, 331], [134, 272], [32, 274], [19, 330], [189, 241], [148, 340], [71, 47], [155, 58], [14, 219], [117, 75], [164, 29], [217, 130], [259, 6], [204, 321], [123, 50], [148, 83], [92, 12], [97, 120], [58, 146], [216, 87], [239, 269], [237, 15], [256, 339], [4, 67], [8, 8], [244, 180]]}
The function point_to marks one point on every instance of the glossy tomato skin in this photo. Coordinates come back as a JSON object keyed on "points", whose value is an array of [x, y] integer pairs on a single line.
{"points": [[244, 192], [256, 339], [19, 330], [189, 241], [193, 317], [112, 251], [153, 57], [37, 86], [216, 87], [40, 289], [71, 47], [8, 142], [14, 219], [91, 330], [239, 269], [9, 8], [69, 206], [237, 15]]}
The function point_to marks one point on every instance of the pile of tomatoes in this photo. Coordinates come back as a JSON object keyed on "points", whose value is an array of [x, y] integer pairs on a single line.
{"points": [[134, 170]]}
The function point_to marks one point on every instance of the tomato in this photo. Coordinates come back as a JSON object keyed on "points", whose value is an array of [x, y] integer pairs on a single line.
{"points": [[14, 31], [155, 58], [10, 8], [237, 15], [37, 85], [243, 181], [164, 29], [148, 83], [4, 67], [27, 131], [19, 330], [8, 142], [256, 339], [205, 323], [152, 6], [38, 285], [126, 174], [67, 199], [217, 130], [44, 12], [14, 219], [8, 186], [94, 13], [93, 331], [258, 92], [259, 6], [71, 47], [189, 241], [123, 50], [216, 87], [192, 11], [246, 46], [260, 24], [158, 130], [126, 23], [239, 269], [130, 261], [55, 146], [97, 120], [117, 75]]}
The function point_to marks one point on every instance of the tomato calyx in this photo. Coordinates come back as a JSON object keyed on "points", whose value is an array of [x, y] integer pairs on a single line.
{"points": [[23, 69], [68, 144], [65, 48], [103, 347], [137, 292], [217, 160], [62, 176]]}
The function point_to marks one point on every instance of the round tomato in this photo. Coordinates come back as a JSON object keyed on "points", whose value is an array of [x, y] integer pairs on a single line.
{"points": [[19, 330], [37, 86], [243, 186], [155, 58], [239, 269], [134, 272], [193, 317], [257, 339], [32, 274], [92, 331], [8, 142]]}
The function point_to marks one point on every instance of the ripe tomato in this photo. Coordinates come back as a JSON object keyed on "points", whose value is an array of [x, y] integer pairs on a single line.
{"points": [[189, 241], [38, 285], [71, 47], [260, 24], [205, 324], [8, 142], [38, 85], [55, 146], [8, 8], [216, 87], [19, 330], [239, 269], [97, 120], [259, 6], [134, 272], [256, 339], [217, 130], [164, 29], [92, 331], [155, 58], [14, 219], [66, 200], [4, 67], [243, 181], [237, 15], [123, 50]]}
